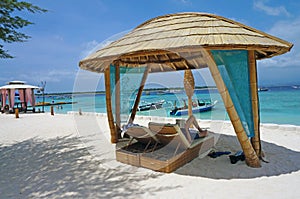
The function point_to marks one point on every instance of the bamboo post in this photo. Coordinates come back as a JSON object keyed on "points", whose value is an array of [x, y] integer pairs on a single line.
{"points": [[189, 86], [255, 102], [139, 94], [117, 100], [252, 159], [110, 116], [51, 110], [17, 113]]}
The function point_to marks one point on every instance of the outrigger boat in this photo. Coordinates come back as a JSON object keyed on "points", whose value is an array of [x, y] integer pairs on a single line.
{"points": [[151, 106], [199, 106]]}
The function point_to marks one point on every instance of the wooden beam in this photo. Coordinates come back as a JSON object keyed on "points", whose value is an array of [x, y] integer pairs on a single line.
{"points": [[110, 116], [139, 94], [256, 143]]}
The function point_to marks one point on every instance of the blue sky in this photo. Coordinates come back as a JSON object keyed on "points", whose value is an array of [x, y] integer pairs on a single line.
{"points": [[71, 29]]}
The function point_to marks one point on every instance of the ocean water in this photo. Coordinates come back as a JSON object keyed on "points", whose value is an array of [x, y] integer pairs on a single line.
{"points": [[280, 105]]}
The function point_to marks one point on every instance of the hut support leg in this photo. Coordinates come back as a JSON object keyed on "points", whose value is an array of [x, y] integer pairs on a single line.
{"points": [[256, 143], [118, 105], [110, 116], [33, 100], [139, 94], [252, 159]]}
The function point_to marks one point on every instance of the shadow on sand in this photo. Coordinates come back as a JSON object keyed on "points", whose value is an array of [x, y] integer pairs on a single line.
{"points": [[281, 161], [61, 168]]}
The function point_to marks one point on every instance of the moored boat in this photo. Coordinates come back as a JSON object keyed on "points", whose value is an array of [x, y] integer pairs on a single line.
{"points": [[151, 106], [199, 106], [262, 89]]}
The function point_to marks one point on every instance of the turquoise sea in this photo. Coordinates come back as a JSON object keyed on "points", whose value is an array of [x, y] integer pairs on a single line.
{"points": [[280, 105]]}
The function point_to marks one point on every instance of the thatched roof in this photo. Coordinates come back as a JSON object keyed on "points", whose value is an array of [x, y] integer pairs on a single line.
{"points": [[179, 41]]}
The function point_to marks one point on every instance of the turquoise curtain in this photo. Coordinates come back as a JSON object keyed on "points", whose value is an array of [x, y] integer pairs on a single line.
{"points": [[234, 69], [130, 80]]}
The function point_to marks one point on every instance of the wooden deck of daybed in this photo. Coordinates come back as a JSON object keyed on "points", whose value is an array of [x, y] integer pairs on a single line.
{"points": [[160, 157]]}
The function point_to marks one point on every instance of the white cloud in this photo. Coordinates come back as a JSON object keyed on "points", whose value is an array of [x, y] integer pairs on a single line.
{"points": [[186, 2], [92, 46], [48, 76], [88, 81], [89, 47], [58, 38], [274, 11], [56, 79], [287, 29], [290, 31]]}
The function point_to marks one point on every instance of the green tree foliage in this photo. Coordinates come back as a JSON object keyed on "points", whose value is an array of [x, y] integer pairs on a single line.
{"points": [[10, 23]]}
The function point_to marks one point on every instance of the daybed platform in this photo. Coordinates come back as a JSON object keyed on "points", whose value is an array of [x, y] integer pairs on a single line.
{"points": [[162, 158], [165, 151]]}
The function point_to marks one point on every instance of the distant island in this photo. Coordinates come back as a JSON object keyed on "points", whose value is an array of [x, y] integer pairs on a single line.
{"points": [[145, 90]]}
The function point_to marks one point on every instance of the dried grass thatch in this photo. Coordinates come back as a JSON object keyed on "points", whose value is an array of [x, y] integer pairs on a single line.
{"points": [[179, 42]]}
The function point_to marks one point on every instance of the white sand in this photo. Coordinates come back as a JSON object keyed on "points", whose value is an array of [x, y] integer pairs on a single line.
{"points": [[70, 156]]}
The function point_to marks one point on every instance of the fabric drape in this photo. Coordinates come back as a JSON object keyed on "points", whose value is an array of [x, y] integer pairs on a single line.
{"points": [[12, 98], [4, 93], [22, 97], [28, 96]]}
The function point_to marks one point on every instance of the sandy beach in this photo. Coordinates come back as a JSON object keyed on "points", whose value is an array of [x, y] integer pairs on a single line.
{"points": [[70, 156]]}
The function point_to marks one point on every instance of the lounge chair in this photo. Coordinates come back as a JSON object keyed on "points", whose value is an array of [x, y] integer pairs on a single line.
{"points": [[170, 148], [142, 135], [176, 137], [194, 133]]}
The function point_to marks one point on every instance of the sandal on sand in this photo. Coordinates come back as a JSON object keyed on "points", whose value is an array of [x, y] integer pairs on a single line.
{"points": [[236, 157], [214, 154]]}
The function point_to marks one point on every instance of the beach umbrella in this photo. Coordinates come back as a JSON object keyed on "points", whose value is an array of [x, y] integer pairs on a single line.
{"points": [[189, 86], [187, 41]]}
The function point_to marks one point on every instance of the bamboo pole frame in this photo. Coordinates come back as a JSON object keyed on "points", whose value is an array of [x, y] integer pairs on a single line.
{"points": [[117, 100], [110, 117], [252, 159], [256, 143], [139, 94]]}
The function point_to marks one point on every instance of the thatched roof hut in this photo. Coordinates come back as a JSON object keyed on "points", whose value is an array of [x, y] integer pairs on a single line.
{"points": [[186, 41], [183, 33]]}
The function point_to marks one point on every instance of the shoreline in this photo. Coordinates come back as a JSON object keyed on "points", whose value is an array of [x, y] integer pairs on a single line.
{"points": [[267, 125]]}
